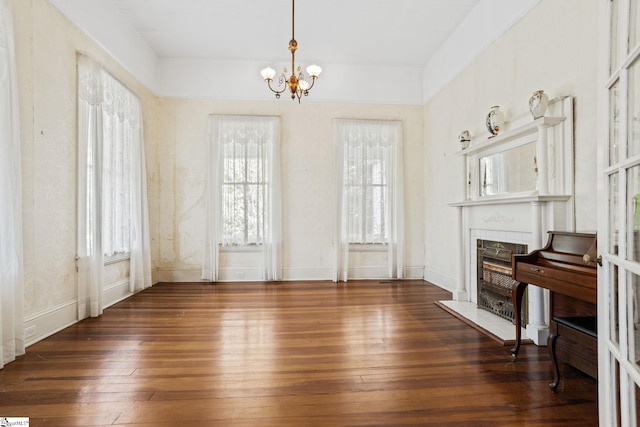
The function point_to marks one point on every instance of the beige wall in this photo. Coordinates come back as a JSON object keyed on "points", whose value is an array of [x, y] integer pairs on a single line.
{"points": [[308, 191], [46, 46], [553, 48]]}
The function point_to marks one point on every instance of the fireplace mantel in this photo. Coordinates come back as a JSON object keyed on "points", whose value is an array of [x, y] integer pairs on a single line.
{"points": [[506, 200], [524, 216]]}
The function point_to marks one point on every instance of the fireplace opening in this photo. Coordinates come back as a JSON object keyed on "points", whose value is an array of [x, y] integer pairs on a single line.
{"points": [[494, 278]]}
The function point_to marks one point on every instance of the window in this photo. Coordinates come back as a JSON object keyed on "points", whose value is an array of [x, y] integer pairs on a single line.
{"points": [[370, 186], [243, 191], [368, 150], [245, 163], [118, 127], [244, 186], [110, 141], [366, 190], [113, 216]]}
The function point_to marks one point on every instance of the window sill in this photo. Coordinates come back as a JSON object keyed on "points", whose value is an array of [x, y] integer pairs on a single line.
{"points": [[240, 248], [116, 258], [374, 247]]}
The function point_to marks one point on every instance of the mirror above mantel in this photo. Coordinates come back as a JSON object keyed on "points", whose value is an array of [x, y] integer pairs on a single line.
{"points": [[514, 170], [530, 157]]}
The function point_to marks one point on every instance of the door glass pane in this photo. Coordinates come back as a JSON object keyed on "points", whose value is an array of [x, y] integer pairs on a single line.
{"points": [[614, 124], [615, 36], [634, 320], [614, 330], [634, 108], [633, 226], [634, 23], [613, 213], [631, 407], [616, 391], [635, 408]]}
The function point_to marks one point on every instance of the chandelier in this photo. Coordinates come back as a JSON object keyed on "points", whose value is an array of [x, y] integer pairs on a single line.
{"points": [[297, 85]]}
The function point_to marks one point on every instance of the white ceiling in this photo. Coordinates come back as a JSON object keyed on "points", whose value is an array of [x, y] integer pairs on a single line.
{"points": [[386, 51], [353, 32]]}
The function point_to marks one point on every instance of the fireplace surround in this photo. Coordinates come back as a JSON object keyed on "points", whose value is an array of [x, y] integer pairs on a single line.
{"points": [[522, 217]]}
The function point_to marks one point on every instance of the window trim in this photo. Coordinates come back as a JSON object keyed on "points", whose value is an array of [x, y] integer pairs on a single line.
{"points": [[252, 247], [369, 247], [117, 257]]}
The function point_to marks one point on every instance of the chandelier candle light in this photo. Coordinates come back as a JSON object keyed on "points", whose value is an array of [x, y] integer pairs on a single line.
{"points": [[297, 85]]}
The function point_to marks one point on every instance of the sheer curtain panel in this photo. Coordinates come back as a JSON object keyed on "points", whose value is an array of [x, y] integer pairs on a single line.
{"points": [[243, 191], [90, 259], [11, 254], [112, 189], [369, 188], [140, 257]]}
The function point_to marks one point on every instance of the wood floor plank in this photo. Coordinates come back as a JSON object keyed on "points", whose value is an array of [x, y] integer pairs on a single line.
{"points": [[287, 354]]}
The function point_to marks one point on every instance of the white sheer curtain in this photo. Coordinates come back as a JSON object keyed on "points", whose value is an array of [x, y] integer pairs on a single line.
{"points": [[243, 190], [140, 255], [369, 188], [11, 254], [90, 132], [112, 195]]}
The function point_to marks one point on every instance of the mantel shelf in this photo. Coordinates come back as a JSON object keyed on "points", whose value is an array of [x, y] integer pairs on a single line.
{"points": [[479, 144], [498, 200]]}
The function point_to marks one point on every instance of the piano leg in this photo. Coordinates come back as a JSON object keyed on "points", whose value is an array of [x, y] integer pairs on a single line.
{"points": [[551, 343], [517, 292]]}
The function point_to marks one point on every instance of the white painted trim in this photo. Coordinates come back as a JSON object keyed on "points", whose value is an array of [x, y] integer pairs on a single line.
{"points": [[538, 334], [57, 318], [179, 275], [115, 293], [367, 273], [288, 274], [413, 272], [240, 275], [440, 279], [50, 321], [240, 248], [319, 273], [607, 396], [116, 258]]}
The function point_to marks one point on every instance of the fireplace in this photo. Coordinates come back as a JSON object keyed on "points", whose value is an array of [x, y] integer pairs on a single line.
{"points": [[494, 277]]}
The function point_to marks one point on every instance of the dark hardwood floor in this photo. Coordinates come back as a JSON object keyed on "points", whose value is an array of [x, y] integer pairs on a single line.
{"points": [[366, 353]]}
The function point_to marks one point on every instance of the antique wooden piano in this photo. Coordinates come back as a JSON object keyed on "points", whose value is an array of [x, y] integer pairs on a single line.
{"points": [[567, 266]]}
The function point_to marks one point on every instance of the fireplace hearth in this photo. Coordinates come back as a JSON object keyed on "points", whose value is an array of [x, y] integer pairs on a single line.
{"points": [[494, 277]]}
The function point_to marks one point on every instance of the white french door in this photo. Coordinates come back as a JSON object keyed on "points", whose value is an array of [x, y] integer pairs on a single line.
{"points": [[619, 216]]}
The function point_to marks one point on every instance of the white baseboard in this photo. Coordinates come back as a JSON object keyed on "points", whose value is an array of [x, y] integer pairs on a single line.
{"points": [[179, 275], [116, 293], [240, 275], [414, 272], [46, 323], [439, 279], [288, 274], [312, 274]]}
